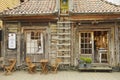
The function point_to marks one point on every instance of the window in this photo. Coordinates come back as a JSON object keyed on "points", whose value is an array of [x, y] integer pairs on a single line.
{"points": [[34, 42], [86, 43]]}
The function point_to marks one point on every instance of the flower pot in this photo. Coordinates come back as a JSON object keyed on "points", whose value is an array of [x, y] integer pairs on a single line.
{"points": [[81, 65], [88, 65]]}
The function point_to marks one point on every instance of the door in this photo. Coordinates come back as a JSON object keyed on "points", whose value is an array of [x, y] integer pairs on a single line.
{"points": [[86, 47]]}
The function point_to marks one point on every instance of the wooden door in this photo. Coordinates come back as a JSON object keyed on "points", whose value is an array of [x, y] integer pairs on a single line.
{"points": [[86, 47]]}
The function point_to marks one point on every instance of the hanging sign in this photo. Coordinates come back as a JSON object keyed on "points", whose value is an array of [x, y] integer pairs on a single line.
{"points": [[11, 40]]}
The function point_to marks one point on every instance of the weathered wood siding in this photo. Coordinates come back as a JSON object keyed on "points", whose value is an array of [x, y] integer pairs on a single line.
{"points": [[19, 29], [11, 27]]}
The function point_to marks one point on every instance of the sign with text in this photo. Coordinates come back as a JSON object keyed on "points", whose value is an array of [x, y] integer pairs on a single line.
{"points": [[11, 40]]}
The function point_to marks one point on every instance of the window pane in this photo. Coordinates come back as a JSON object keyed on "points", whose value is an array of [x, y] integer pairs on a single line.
{"points": [[82, 34], [82, 51], [85, 34], [82, 45]]}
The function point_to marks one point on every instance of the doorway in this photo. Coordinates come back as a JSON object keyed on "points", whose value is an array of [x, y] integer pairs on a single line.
{"points": [[94, 44], [100, 46]]}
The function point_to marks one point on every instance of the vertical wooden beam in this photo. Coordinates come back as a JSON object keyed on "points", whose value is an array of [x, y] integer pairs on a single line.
{"points": [[3, 40], [48, 33], [18, 44], [112, 61], [116, 45], [72, 44], [76, 45]]}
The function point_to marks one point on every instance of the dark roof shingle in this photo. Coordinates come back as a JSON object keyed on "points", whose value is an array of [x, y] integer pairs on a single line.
{"points": [[33, 7], [94, 6]]}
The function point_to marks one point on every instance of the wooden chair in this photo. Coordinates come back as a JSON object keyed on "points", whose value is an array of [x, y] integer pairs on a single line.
{"points": [[55, 65], [10, 67], [31, 66]]}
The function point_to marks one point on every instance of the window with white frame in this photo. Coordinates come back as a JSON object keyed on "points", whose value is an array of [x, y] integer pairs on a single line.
{"points": [[34, 42]]}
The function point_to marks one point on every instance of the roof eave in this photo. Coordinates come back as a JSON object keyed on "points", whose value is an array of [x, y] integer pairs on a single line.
{"points": [[103, 13], [33, 16], [14, 15]]}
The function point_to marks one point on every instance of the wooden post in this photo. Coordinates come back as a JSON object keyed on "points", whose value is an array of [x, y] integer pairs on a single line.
{"points": [[116, 45], [18, 44]]}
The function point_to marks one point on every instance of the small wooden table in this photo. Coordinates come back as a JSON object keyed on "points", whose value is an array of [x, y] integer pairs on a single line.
{"points": [[11, 60], [44, 65]]}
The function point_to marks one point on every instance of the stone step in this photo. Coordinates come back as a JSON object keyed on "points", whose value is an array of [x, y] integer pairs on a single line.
{"points": [[97, 69], [100, 65]]}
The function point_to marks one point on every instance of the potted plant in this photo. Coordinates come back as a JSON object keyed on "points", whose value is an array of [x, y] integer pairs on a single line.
{"points": [[88, 62], [85, 62], [81, 62]]}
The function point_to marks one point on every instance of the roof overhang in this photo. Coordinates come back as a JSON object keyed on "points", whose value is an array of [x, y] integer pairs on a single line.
{"points": [[95, 16], [29, 17]]}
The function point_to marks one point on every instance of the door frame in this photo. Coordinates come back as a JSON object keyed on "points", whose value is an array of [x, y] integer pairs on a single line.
{"points": [[92, 55]]}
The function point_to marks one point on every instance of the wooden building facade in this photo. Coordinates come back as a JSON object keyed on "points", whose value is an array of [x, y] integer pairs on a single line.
{"points": [[65, 29]]}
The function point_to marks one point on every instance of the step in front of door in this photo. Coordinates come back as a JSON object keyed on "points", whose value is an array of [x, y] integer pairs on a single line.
{"points": [[96, 69]]}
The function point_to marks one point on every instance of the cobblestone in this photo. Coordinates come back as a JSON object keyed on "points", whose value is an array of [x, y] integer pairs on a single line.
{"points": [[61, 75]]}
